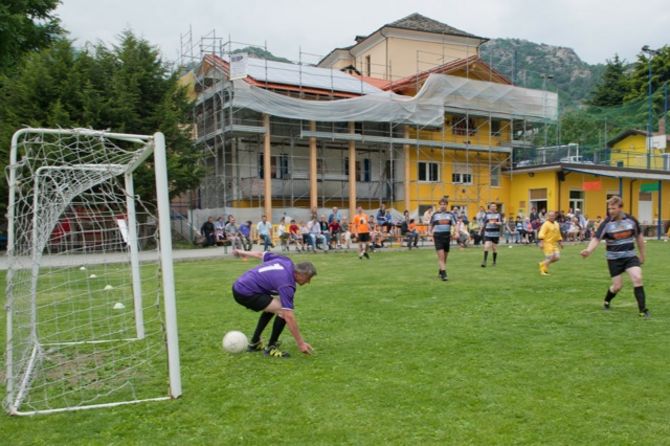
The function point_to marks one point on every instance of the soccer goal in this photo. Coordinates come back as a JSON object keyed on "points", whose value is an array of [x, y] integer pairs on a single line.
{"points": [[91, 316]]}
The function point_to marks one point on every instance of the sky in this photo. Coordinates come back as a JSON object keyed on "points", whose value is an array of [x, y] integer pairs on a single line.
{"points": [[309, 29]]}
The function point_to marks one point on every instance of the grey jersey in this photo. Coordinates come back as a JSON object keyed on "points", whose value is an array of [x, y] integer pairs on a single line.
{"points": [[492, 224], [441, 222]]}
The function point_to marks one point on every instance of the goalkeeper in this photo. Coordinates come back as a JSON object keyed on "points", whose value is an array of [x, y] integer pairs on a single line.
{"points": [[256, 289]]}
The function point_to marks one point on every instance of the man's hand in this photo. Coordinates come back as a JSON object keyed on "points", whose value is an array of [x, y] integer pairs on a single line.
{"points": [[306, 348], [585, 253]]}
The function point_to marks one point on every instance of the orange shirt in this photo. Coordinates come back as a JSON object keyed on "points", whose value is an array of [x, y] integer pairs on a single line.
{"points": [[412, 227], [361, 224]]}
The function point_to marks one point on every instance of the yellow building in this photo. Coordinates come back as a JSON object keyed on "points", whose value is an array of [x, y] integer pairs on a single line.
{"points": [[381, 122]]}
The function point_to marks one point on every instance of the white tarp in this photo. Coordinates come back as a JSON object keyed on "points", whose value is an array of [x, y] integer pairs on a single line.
{"points": [[439, 92]]}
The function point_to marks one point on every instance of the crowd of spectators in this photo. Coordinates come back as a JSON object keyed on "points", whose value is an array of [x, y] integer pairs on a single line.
{"points": [[325, 233]]}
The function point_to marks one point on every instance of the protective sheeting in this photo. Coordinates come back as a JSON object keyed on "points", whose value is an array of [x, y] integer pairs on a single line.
{"points": [[270, 71], [439, 93]]}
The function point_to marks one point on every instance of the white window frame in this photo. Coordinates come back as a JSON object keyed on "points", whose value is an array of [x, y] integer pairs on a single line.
{"points": [[427, 170], [496, 173], [461, 174]]}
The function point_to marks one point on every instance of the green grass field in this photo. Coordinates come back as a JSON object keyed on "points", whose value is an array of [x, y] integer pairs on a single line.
{"points": [[494, 356]]}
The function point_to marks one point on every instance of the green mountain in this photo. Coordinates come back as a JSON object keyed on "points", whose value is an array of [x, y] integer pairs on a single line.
{"points": [[536, 65], [260, 53]]}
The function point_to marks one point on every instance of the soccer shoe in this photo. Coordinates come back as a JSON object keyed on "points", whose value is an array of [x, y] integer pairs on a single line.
{"points": [[544, 273], [274, 352], [443, 276], [366, 255], [255, 347], [606, 306], [483, 265], [645, 314]]}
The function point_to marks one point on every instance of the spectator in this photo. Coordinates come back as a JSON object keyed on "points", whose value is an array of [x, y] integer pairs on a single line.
{"points": [[481, 214], [295, 236], [219, 229], [325, 230], [335, 215], [232, 233], [245, 235], [208, 232], [345, 234], [317, 239], [462, 233], [383, 219], [264, 229], [334, 229], [475, 231], [282, 232]]}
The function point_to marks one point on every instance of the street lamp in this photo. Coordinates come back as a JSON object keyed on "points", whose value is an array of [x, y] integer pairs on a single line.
{"points": [[651, 53]]}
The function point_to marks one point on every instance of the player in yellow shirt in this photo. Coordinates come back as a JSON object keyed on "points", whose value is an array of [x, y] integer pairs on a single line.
{"points": [[551, 242]]}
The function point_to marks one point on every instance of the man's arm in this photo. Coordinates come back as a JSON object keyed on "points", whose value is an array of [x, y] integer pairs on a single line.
{"points": [[292, 324], [247, 254], [593, 244]]}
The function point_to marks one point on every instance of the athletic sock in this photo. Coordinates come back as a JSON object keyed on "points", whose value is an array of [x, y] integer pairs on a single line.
{"points": [[486, 256], [610, 295], [277, 328], [495, 256], [639, 296], [260, 326]]}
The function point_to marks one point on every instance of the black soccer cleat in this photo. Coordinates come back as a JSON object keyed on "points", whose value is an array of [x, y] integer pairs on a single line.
{"points": [[274, 352], [483, 265], [645, 314], [606, 306], [366, 255], [443, 276], [255, 347]]}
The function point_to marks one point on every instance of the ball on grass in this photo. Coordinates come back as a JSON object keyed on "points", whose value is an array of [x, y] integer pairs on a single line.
{"points": [[235, 342]]}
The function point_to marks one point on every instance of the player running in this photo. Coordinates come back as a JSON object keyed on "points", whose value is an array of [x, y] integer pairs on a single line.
{"points": [[361, 226], [550, 243], [491, 233], [441, 224], [620, 232]]}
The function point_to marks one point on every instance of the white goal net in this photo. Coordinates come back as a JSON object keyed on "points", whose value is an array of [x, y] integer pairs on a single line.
{"points": [[91, 317]]}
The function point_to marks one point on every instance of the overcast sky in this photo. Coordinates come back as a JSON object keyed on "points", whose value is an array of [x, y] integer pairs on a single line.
{"points": [[595, 29]]}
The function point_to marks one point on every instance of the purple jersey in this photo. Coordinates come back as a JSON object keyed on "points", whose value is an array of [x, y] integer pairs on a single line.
{"points": [[274, 277]]}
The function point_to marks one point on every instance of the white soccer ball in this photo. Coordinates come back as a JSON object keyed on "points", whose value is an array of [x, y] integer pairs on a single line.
{"points": [[235, 342]]}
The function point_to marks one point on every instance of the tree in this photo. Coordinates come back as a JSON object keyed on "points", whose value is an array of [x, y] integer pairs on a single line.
{"points": [[126, 89], [25, 26], [612, 87]]}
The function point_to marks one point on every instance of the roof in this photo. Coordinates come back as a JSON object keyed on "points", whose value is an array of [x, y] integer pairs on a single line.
{"points": [[413, 22], [291, 77], [447, 68], [625, 134], [602, 171], [418, 22]]}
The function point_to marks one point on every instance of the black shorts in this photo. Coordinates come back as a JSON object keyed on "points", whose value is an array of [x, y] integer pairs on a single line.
{"points": [[257, 302], [442, 241], [363, 237], [619, 266], [494, 240]]}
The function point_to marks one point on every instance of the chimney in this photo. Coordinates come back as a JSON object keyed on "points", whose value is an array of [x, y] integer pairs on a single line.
{"points": [[661, 126]]}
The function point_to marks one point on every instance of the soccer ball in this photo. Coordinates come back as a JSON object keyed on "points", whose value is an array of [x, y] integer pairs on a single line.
{"points": [[235, 342]]}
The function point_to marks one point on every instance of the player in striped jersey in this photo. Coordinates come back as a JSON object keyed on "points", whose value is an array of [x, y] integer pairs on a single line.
{"points": [[620, 232], [491, 233], [441, 224]]}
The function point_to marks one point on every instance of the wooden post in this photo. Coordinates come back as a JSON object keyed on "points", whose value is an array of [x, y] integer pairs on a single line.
{"points": [[406, 153], [267, 166], [313, 190], [352, 174]]}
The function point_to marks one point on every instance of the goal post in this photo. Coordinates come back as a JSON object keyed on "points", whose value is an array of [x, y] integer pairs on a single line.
{"points": [[90, 299]]}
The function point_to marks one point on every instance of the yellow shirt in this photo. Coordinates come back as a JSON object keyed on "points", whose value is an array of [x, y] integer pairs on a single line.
{"points": [[550, 232]]}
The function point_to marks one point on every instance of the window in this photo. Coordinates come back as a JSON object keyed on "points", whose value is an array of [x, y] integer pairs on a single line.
{"points": [[496, 127], [576, 200], [278, 166], [495, 176], [461, 174], [368, 68], [462, 125], [363, 171], [429, 172]]}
